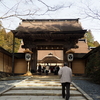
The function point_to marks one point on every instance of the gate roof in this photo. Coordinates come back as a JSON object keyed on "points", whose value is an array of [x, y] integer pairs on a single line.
{"points": [[34, 26], [49, 32]]}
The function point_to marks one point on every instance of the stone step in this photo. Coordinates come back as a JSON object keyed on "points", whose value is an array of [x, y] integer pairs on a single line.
{"points": [[37, 85], [19, 97], [41, 88], [20, 85], [40, 92], [40, 83], [42, 79], [37, 80]]}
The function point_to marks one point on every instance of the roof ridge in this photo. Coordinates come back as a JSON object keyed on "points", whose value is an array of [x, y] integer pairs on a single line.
{"points": [[50, 19]]}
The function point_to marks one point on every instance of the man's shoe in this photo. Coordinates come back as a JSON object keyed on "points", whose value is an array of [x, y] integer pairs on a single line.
{"points": [[63, 97]]}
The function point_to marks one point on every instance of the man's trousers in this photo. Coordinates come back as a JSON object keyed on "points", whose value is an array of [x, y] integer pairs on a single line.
{"points": [[66, 86]]}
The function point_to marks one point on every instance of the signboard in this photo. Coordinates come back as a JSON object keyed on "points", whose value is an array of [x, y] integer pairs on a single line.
{"points": [[70, 57], [27, 56]]}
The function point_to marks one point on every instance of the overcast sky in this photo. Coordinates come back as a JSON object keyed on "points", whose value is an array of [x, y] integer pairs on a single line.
{"points": [[67, 9]]}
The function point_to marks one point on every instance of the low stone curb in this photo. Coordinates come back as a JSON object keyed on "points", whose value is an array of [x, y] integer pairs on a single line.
{"points": [[6, 89]]}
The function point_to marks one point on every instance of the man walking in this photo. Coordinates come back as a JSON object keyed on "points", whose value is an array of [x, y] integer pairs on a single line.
{"points": [[65, 74]]}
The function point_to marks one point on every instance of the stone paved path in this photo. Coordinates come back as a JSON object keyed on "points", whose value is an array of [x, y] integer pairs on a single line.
{"points": [[41, 88]]}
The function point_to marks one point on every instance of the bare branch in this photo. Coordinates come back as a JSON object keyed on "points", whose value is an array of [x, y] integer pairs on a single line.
{"points": [[34, 12], [90, 12], [17, 11], [93, 14], [18, 15], [55, 8], [10, 9]]}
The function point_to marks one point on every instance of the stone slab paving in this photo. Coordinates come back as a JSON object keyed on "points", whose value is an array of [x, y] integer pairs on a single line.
{"points": [[40, 92], [39, 98], [40, 88]]}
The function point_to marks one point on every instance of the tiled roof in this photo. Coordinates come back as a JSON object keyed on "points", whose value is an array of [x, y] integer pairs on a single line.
{"points": [[83, 47], [37, 25]]}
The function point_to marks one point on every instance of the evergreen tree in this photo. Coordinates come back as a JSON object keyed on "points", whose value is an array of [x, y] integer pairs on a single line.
{"points": [[17, 44], [6, 40], [9, 42], [96, 43], [90, 39], [2, 37]]}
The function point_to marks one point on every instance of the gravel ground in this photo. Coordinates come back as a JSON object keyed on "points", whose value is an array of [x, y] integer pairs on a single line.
{"points": [[92, 89], [7, 84], [10, 82]]}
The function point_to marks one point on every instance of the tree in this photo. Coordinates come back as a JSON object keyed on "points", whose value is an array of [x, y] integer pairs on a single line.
{"points": [[96, 43], [93, 65], [17, 44], [9, 42], [89, 38], [6, 40], [2, 37]]}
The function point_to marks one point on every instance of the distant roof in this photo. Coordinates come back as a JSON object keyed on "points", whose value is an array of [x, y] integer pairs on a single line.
{"points": [[50, 58], [82, 47], [53, 25]]}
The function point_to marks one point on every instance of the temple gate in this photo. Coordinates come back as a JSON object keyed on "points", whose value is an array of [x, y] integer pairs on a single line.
{"points": [[49, 34]]}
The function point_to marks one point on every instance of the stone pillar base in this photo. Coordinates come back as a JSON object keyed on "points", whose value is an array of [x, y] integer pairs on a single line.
{"points": [[28, 73]]}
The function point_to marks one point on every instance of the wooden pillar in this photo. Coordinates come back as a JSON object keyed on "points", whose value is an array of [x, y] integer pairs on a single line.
{"points": [[64, 54], [13, 58], [33, 64], [66, 48], [70, 64]]}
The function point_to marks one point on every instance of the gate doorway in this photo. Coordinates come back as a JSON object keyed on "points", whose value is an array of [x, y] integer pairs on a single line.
{"points": [[52, 58]]}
